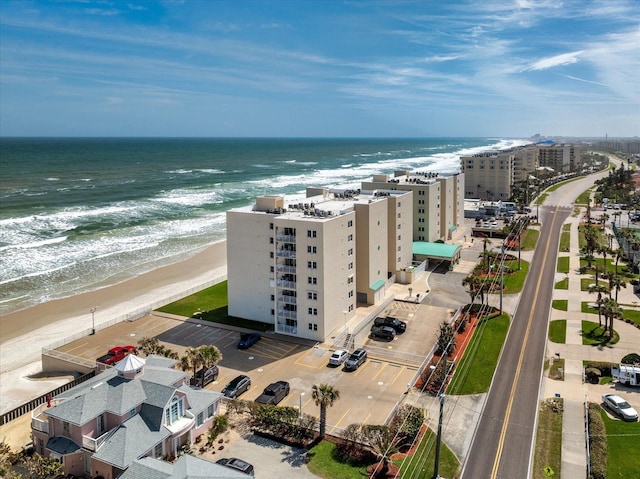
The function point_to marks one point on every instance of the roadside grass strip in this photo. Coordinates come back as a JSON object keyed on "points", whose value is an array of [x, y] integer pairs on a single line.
{"points": [[560, 304], [563, 264], [558, 331], [562, 284], [475, 370], [548, 449]]}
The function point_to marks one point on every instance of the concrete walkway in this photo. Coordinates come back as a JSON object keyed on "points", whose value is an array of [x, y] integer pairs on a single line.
{"points": [[574, 391]]}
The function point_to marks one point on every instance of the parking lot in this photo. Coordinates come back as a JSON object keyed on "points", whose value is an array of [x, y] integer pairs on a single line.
{"points": [[367, 395]]}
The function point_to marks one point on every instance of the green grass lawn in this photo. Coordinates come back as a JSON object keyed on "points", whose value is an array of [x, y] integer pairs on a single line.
{"points": [[548, 449], [530, 239], [326, 462], [420, 464], [563, 264], [562, 284], [558, 331], [631, 314], [475, 370], [513, 282], [620, 439], [594, 335], [586, 282], [540, 199], [560, 304], [562, 183], [584, 197], [565, 238], [211, 304]]}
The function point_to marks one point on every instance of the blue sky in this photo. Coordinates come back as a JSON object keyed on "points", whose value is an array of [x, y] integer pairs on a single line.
{"points": [[320, 68]]}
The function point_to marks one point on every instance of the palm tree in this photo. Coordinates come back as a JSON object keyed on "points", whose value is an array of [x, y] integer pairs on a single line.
{"points": [[616, 282], [324, 396], [620, 254], [600, 289], [473, 283], [203, 356], [611, 311]]}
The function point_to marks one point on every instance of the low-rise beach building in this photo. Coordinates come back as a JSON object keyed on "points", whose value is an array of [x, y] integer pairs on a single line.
{"points": [[139, 408]]}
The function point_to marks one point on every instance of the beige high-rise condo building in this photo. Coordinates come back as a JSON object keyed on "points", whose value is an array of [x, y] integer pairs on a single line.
{"points": [[438, 201], [304, 266]]}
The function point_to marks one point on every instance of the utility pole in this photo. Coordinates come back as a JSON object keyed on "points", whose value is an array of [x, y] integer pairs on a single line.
{"points": [[436, 475]]}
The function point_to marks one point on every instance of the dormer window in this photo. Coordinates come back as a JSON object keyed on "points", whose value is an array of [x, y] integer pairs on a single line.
{"points": [[174, 412]]}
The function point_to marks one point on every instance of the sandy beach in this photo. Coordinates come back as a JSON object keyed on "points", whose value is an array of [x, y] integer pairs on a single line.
{"points": [[23, 334]]}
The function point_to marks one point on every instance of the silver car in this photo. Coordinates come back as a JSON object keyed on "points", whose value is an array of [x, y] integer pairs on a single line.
{"points": [[338, 357], [620, 407]]}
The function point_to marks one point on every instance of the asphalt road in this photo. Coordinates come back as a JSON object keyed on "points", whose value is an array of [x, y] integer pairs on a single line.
{"points": [[502, 444]]}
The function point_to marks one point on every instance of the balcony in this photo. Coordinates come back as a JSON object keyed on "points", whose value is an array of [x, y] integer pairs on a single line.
{"points": [[285, 313], [284, 328], [282, 283], [285, 268], [39, 420], [93, 444], [183, 424], [285, 253], [286, 238], [287, 299]]}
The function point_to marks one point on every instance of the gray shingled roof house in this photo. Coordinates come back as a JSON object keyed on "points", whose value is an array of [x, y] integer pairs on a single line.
{"points": [[139, 408], [186, 467]]}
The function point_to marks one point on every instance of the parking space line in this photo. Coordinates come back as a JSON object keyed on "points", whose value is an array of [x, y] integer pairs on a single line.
{"points": [[339, 420], [378, 373], [77, 347], [402, 368]]}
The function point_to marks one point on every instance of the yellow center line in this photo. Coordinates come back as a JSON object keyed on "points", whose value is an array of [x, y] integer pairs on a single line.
{"points": [[505, 423]]}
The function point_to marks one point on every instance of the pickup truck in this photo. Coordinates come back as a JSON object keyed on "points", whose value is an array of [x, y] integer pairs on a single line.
{"points": [[274, 393], [115, 354]]}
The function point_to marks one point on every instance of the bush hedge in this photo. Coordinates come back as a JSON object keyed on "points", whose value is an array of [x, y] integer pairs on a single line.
{"points": [[597, 443]]}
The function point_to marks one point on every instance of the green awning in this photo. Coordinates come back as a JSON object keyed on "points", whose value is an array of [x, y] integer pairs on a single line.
{"points": [[377, 285], [453, 228], [436, 250]]}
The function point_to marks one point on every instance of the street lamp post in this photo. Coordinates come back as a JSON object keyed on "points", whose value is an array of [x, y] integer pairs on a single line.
{"points": [[300, 408], [93, 320]]}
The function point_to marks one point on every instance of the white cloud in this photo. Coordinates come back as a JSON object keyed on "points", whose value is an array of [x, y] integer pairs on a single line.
{"points": [[550, 62]]}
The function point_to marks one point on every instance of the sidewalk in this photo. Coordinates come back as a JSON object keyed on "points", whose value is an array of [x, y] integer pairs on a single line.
{"points": [[573, 389]]}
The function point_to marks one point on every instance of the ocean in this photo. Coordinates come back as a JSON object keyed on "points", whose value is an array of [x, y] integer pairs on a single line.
{"points": [[77, 214]]}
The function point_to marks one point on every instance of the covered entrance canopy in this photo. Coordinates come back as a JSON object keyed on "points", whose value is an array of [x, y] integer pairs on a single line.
{"points": [[423, 250]]}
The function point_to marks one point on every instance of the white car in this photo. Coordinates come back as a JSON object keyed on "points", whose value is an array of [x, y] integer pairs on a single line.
{"points": [[620, 407], [338, 357]]}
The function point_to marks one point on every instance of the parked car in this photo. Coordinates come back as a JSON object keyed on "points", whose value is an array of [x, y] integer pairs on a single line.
{"points": [[274, 393], [619, 407], [338, 357], [237, 464], [238, 385], [204, 377], [116, 354], [355, 359], [399, 326], [383, 332], [248, 340]]}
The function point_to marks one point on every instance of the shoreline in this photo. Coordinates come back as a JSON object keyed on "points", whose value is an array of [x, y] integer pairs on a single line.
{"points": [[24, 333]]}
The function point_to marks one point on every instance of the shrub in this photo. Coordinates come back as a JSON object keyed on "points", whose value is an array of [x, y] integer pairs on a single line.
{"points": [[407, 422], [632, 358], [604, 367]]}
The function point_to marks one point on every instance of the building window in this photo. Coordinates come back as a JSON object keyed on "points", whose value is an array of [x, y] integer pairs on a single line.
{"points": [[175, 411], [312, 264], [313, 326], [350, 280], [421, 202], [421, 210], [157, 450], [199, 419], [271, 269], [273, 312], [311, 233], [132, 412], [312, 280], [312, 249], [271, 254], [350, 223], [351, 293], [350, 267], [66, 429], [271, 240], [312, 295], [399, 248], [313, 311], [399, 204], [270, 226], [350, 238], [210, 411], [350, 252], [273, 297]]}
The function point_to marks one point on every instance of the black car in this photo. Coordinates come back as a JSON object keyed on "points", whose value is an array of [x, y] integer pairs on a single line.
{"points": [[274, 393], [355, 360], [383, 332], [205, 376], [248, 340], [237, 464], [399, 326], [239, 385]]}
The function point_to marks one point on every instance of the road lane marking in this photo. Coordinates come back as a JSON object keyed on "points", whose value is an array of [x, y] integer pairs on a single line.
{"points": [[379, 371], [505, 423]]}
